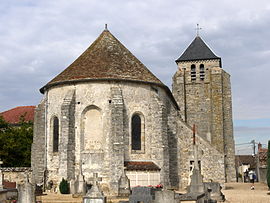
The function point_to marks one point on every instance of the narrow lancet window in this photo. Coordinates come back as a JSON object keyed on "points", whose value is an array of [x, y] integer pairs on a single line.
{"points": [[202, 73], [55, 134], [136, 132], [193, 72]]}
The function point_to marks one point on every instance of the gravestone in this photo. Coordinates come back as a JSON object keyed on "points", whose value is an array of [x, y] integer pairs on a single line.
{"points": [[166, 196], [80, 185], [72, 186], [192, 198], [26, 192], [94, 195], [196, 183], [215, 191], [142, 194], [124, 186]]}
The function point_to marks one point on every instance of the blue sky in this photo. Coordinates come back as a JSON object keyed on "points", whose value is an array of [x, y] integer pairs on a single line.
{"points": [[39, 39]]}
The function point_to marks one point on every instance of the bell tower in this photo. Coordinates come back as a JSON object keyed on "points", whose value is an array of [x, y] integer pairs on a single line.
{"points": [[202, 90]]}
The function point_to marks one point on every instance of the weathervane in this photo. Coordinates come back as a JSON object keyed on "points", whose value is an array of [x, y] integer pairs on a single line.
{"points": [[198, 28]]}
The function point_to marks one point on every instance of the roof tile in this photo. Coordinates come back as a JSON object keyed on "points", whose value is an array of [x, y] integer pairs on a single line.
{"points": [[13, 116], [197, 50], [106, 58]]}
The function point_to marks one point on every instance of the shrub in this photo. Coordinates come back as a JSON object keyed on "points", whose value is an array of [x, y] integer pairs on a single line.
{"points": [[64, 187]]}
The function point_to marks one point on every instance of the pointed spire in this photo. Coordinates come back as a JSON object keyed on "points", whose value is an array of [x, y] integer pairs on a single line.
{"points": [[197, 50], [106, 27]]}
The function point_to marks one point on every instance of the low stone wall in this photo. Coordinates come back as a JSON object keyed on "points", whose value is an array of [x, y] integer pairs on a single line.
{"points": [[263, 172], [8, 194], [16, 174]]}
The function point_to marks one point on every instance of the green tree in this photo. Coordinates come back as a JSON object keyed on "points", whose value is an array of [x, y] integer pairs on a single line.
{"points": [[268, 165], [15, 143]]}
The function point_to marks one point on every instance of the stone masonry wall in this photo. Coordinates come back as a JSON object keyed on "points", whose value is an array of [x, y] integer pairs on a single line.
{"points": [[16, 174], [207, 104], [38, 146], [228, 129], [116, 139], [212, 161], [117, 102], [217, 109], [173, 146], [67, 138]]}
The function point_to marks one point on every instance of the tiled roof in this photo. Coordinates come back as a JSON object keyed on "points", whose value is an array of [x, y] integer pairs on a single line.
{"points": [[245, 160], [141, 166], [106, 59], [197, 50], [13, 116]]}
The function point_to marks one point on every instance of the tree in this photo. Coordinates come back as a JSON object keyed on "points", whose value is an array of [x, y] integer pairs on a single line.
{"points": [[268, 165], [15, 143]]}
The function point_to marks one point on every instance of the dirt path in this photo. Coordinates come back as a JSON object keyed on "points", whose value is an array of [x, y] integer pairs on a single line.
{"points": [[241, 193]]}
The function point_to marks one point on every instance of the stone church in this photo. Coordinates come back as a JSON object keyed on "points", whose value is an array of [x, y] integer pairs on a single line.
{"points": [[107, 113]]}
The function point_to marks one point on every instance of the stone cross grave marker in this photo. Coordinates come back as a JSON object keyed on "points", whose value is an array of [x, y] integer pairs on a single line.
{"points": [[94, 195]]}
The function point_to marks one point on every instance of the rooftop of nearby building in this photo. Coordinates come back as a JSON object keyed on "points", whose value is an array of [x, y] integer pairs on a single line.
{"points": [[245, 160], [14, 116], [197, 50], [106, 59]]}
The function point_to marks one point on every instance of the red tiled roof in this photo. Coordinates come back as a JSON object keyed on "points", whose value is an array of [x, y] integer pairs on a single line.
{"points": [[14, 115], [141, 166]]}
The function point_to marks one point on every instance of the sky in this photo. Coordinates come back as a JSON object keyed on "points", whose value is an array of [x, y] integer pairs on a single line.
{"points": [[39, 39]]}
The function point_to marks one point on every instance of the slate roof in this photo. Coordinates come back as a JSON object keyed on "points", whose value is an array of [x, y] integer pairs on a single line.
{"points": [[141, 166], [197, 50], [13, 116], [106, 59]]}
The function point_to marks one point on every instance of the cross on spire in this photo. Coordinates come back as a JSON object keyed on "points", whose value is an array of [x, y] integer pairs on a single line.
{"points": [[198, 28]]}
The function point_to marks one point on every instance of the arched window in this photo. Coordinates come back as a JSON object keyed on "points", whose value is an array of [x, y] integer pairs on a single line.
{"points": [[202, 73], [193, 72], [136, 131], [55, 134]]}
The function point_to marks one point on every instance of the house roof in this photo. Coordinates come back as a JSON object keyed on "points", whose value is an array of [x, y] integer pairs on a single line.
{"points": [[141, 166], [245, 160], [197, 50], [13, 116], [106, 59]]}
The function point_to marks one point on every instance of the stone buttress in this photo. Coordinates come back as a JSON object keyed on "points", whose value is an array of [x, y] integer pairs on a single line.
{"points": [[38, 146]]}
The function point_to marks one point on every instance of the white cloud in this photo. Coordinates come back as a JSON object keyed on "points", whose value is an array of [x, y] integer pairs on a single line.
{"points": [[38, 39]]}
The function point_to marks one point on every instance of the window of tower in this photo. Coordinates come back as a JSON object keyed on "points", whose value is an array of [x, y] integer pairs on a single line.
{"points": [[202, 72], [55, 134], [193, 72]]}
